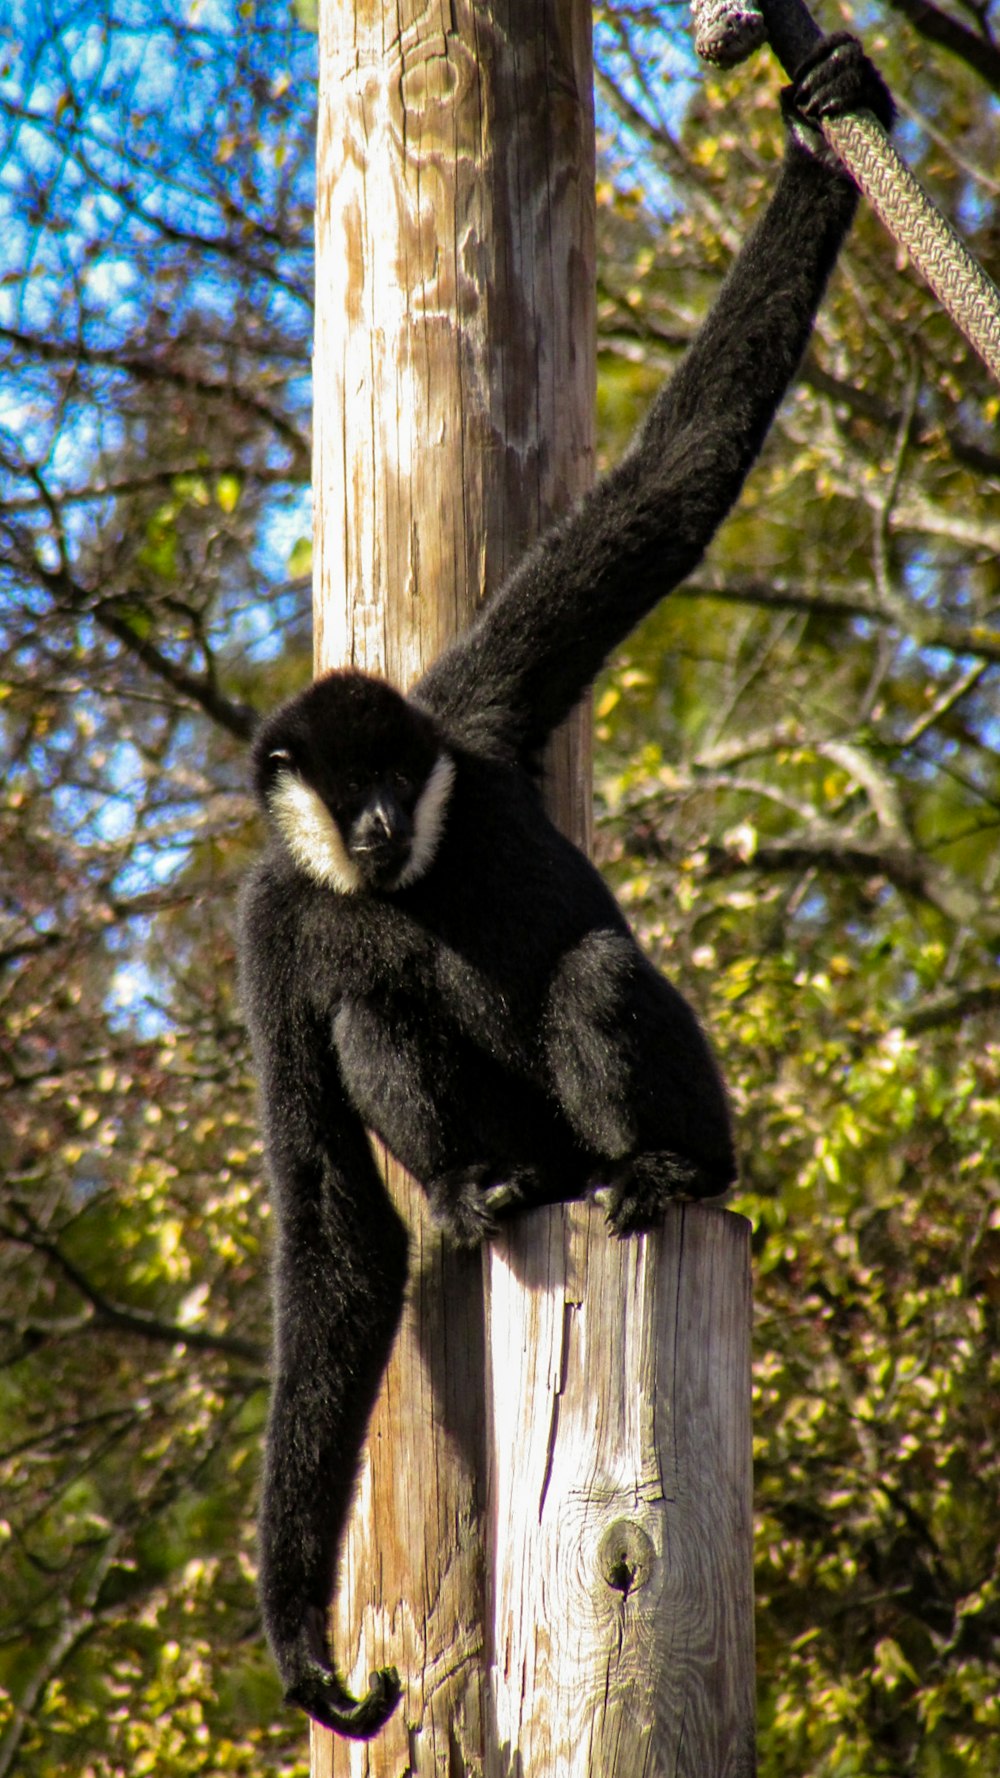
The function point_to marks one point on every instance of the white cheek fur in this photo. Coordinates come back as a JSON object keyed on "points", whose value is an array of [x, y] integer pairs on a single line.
{"points": [[317, 844], [428, 820], [311, 834]]}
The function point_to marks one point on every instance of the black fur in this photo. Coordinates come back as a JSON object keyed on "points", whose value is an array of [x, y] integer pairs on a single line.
{"points": [[493, 1020]]}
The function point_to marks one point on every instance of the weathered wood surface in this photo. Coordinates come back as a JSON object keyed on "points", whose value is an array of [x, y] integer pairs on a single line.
{"points": [[455, 332], [413, 1590], [621, 1498], [454, 400], [454, 385]]}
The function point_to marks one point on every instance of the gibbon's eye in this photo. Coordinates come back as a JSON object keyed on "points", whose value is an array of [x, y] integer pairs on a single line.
{"points": [[401, 783], [279, 756]]}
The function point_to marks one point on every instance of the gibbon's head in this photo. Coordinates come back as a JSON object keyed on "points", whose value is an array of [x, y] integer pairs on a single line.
{"points": [[356, 782]]}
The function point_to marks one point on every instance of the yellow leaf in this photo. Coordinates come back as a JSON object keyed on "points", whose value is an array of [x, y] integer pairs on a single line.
{"points": [[227, 492], [300, 559]]}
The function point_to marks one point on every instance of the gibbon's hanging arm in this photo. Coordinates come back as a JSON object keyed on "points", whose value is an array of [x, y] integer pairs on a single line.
{"points": [[726, 31]]}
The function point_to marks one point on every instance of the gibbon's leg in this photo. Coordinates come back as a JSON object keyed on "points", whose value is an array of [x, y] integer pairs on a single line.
{"points": [[636, 1080], [425, 1119]]}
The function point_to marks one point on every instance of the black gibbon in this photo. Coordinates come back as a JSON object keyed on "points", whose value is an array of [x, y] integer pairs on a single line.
{"points": [[425, 956]]}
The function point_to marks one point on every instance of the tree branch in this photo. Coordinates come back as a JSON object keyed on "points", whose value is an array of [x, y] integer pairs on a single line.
{"points": [[152, 370], [72, 1631], [160, 480], [137, 1321], [883, 414], [201, 688], [976, 51], [652, 344], [842, 853], [240, 719], [951, 1009], [978, 640]]}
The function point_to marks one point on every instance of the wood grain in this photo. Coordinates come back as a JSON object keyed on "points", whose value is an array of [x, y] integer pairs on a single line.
{"points": [[577, 1601], [621, 1497], [454, 398]]}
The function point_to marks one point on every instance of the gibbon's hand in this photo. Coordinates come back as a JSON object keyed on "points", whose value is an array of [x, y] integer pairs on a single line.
{"points": [[835, 79]]}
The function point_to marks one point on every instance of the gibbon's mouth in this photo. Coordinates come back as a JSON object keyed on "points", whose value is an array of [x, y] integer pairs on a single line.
{"points": [[384, 842], [389, 857], [382, 862], [384, 839]]}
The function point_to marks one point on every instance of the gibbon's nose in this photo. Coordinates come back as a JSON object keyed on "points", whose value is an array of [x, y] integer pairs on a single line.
{"points": [[382, 826]]}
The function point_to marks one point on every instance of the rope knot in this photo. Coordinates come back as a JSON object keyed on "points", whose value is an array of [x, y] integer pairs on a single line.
{"points": [[727, 31]]}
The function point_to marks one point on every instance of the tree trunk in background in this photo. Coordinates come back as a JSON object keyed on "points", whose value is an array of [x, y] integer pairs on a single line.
{"points": [[454, 400], [552, 1533]]}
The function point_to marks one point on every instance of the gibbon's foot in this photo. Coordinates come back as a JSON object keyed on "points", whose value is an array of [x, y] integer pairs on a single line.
{"points": [[836, 78], [322, 1696], [640, 1189], [468, 1206]]}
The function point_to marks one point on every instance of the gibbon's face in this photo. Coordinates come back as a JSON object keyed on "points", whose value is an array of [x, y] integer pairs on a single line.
{"points": [[356, 782]]}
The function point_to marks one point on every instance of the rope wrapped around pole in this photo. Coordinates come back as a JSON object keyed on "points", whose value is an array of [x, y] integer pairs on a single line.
{"points": [[728, 30]]}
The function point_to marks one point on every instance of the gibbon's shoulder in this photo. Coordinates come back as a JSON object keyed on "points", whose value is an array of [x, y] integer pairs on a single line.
{"points": [[273, 894], [290, 929]]}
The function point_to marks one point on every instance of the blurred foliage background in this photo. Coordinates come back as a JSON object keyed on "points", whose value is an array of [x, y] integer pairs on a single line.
{"points": [[799, 800]]}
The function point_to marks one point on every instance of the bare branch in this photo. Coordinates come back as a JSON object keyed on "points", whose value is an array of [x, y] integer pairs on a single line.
{"points": [[951, 1009], [844, 853], [975, 50], [154, 370], [927, 630], [137, 1321]]}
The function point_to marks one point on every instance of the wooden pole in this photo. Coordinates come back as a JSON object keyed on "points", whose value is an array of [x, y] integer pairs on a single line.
{"points": [[454, 384], [604, 1626]]}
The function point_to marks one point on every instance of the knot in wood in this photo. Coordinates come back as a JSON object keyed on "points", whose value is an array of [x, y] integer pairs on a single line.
{"points": [[626, 1556]]}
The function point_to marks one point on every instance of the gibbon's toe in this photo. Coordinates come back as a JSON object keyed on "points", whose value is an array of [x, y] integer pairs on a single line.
{"points": [[642, 1187]]}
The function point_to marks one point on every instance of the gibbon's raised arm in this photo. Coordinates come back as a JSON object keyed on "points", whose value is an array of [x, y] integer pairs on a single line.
{"points": [[536, 646], [339, 1276]]}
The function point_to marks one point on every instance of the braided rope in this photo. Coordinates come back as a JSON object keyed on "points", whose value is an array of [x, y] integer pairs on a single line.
{"points": [[900, 201], [728, 30]]}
